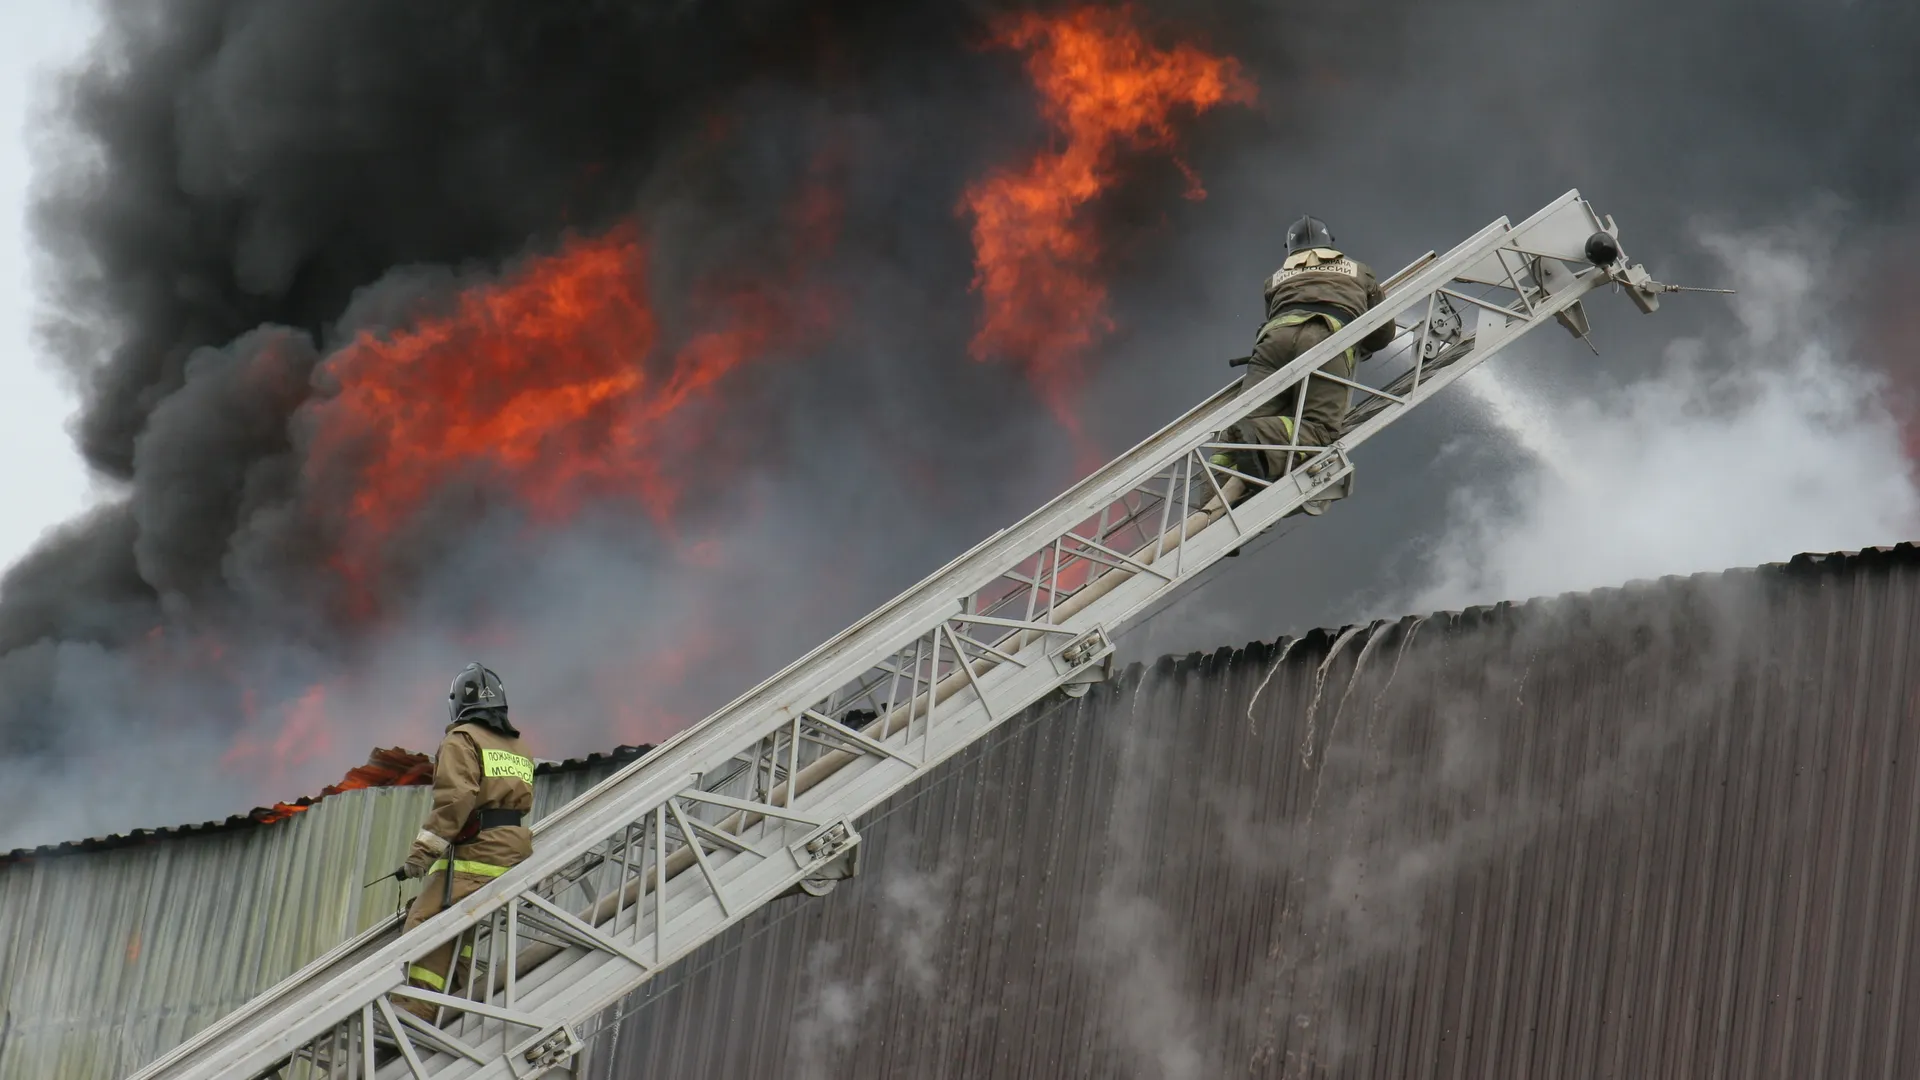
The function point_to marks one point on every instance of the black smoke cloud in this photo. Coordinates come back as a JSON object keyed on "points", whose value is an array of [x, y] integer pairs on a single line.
{"points": [[248, 184]]}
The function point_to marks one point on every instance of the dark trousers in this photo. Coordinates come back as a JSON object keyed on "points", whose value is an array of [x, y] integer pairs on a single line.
{"points": [[1323, 419], [436, 971]]}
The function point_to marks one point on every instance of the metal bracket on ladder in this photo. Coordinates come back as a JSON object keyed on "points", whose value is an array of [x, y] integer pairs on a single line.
{"points": [[1085, 660], [549, 1050], [1441, 330], [758, 800], [1322, 473], [831, 855]]}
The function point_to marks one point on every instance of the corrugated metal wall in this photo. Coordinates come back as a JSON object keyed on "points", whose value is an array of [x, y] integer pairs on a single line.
{"points": [[1671, 831], [110, 958]]}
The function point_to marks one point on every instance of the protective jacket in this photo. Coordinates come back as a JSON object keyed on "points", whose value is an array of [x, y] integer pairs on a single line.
{"points": [[1327, 282], [478, 769]]}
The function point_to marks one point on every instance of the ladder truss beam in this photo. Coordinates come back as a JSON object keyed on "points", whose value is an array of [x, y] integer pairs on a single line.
{"points": [[760, 800]]}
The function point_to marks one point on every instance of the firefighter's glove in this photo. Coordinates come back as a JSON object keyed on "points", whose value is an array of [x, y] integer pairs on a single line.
{"points": [[426, 848]]}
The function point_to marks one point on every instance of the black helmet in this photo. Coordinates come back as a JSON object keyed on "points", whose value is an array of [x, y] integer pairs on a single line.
{"points": [[1308, 232], [477, 695]]}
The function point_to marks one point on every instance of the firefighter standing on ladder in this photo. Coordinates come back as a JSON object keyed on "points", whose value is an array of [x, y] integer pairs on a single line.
{"points": [[1316, 291], [482, 792]]}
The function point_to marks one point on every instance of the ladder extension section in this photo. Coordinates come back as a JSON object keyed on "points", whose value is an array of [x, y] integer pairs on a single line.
{"points": [[760, 800]]}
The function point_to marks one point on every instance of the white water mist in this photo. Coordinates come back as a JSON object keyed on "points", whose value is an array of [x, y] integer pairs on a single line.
{"points": [[1747, 449]]}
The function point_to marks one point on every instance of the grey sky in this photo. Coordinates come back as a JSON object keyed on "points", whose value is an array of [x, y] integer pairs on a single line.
{"points": [[40, 474]]}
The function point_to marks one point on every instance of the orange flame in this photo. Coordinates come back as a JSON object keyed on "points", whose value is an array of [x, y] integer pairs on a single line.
{"points": [[303, 736], [545, 383], [1102, 86], [384, 768], [549, 385], [523, 381]]}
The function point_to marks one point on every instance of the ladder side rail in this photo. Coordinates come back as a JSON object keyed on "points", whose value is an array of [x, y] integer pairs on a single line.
{"points": [[576, 804], [676, 768]]}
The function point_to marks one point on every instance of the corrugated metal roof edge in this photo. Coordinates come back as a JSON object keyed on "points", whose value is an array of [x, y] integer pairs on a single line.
{"points": [[266, 815], [1904, 552]]}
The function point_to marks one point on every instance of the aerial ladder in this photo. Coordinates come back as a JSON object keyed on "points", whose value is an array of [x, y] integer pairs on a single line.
{"points": [[762, 800]]}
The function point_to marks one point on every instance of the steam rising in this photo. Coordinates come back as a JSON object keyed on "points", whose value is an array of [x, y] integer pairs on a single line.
{"points": [[1741, 449], [833, 1016], [1130, 943]]}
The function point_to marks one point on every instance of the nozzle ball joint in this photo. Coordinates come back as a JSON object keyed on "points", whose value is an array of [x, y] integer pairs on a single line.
{"points": [[1602, 249]]}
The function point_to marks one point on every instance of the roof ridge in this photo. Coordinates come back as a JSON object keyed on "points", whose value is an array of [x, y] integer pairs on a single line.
{"points": [[385, 767]]}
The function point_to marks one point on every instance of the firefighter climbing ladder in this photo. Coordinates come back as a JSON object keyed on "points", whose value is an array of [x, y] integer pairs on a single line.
{"points": [[762, 799]]}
